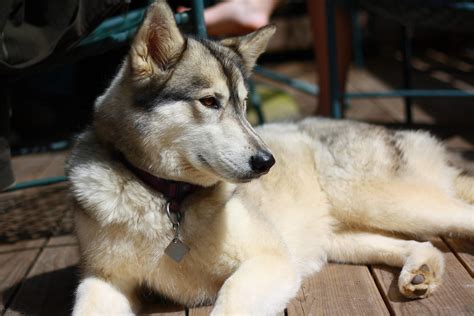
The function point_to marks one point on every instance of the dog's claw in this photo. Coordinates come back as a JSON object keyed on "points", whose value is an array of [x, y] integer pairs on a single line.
{"points": [[418, 279], [420, 292]]}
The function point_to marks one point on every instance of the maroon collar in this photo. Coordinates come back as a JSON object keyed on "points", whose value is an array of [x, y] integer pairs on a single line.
{"points": [[174, 191]]}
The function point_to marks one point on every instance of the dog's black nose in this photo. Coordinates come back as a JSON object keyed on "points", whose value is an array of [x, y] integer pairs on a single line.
{"points": [[262, 161]]}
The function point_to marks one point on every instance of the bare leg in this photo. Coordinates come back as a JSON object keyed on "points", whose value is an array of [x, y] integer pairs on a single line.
{"points": [[261, 286], [238, 17], [95, 296], [423, 264]]}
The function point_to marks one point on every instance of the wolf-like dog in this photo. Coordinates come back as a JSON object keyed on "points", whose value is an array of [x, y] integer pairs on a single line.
{"points": [[339, 191]]}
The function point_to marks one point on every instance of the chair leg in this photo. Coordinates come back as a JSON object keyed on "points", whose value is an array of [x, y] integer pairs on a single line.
{"points": [[407, 71], [256, 102], [325, 19], [198, 18], [357, 38], [6, 172]]}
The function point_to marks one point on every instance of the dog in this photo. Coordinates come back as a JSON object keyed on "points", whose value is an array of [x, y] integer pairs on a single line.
{"points": [[175, 191]]}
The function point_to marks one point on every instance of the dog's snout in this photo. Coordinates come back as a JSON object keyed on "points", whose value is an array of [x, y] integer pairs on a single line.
{"points": [[262, 161]]}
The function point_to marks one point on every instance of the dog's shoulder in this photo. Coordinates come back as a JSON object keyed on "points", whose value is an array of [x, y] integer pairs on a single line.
{"points": [[86, 149], [102, 186], [89, 160]]}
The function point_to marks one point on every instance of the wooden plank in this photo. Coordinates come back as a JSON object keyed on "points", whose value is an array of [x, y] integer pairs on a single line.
{"points": [[464, 251], [386, 110], [15, 261], [339, 290], [455, 296], [49, 287], [156, 306], [14, 267], [367, 110], [63, 240], [22, 245], [57, 165], [29, 167], [164, 310], [364, 81], [206, 311], [200, 311]]}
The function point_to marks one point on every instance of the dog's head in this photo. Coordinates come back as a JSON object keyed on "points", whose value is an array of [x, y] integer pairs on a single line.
{"points": [[177, 107]]}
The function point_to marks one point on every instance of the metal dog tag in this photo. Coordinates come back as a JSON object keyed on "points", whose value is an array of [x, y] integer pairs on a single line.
{"points": [[176, 250]]}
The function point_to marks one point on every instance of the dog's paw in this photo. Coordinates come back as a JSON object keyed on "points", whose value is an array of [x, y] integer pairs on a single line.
{"points": [[422, 273], [417, 283]]}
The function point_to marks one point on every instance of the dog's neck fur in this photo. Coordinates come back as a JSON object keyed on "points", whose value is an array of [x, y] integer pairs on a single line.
{"points": [[173, 191]]}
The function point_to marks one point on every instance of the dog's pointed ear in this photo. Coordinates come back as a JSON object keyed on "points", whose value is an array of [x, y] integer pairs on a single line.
{"points": [[157, 44], [251, 46]]}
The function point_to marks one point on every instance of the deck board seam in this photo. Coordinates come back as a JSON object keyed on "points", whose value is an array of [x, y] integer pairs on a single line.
{"points": [[304, 299], [458, 257], [20, 250], [21, 282], [61, 245], [53, 161], [378, 284]]}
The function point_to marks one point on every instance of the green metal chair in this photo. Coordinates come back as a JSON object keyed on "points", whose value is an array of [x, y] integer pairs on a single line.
{"points": [[439, 14], [118, 30]]}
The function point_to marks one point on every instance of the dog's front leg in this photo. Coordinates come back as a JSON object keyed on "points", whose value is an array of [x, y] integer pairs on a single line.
{"points": [[262, 285], [95, 296]]}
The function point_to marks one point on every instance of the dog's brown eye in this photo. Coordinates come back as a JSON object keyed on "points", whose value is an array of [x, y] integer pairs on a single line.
{"points": [[209, 102]]}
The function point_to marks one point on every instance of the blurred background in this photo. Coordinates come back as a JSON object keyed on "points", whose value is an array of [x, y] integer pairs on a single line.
{"points": [[351, 59], [51, 99], [401, 64]]}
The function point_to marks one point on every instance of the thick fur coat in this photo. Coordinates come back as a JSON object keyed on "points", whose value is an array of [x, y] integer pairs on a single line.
{"points": [[339, 191]]}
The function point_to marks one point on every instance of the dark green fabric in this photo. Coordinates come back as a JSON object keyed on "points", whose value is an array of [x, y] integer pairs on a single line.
{"points": [[34, 31]]}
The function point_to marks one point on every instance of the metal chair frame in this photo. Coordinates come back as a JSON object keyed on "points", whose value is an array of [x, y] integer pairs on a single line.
{"points": [[121, 28], [336, 95]]}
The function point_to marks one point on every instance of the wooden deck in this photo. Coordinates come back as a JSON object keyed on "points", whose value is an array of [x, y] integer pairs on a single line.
{"points": [[38, 274], [38, 277]]}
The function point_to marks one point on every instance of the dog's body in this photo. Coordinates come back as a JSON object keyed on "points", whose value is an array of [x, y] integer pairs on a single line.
{"points": [[337, 191]]}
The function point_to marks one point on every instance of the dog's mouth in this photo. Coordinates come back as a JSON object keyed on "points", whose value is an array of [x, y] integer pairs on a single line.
{"points": [[229, 176]]}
